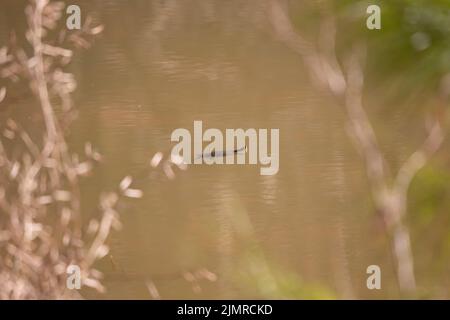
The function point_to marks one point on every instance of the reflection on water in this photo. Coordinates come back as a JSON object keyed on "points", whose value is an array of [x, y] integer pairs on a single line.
{"points": [[159, 66]]}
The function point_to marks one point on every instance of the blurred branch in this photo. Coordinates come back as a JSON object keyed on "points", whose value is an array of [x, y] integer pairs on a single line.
{"points": [[347, 87], [41, 230]]}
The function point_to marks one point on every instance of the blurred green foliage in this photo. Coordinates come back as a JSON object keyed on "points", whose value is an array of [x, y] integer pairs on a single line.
{"points": [[257, 274], [429, 195], [407, 57], [411, 52], [429, 218]]}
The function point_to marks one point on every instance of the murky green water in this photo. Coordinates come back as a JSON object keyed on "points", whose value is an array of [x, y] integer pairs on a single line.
{"points": [[160, 65]]}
